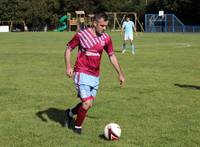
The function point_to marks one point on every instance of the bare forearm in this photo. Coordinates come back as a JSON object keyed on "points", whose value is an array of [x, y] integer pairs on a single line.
{"points": [[135, 30], [67, 57], [115, 64]]}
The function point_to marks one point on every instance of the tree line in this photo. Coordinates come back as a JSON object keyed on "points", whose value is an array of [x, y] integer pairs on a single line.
{"points": [[38, 13]]}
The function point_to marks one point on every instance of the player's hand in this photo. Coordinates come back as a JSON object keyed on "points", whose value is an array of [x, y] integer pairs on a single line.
{"points": [[121, 80], [69, 72]]}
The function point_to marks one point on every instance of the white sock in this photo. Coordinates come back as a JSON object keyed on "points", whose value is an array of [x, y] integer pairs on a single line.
{"points": [[133, 48], [78, 127]]}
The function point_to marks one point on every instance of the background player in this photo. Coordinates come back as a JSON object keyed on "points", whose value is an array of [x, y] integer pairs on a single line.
{"points": [[127, 29]]}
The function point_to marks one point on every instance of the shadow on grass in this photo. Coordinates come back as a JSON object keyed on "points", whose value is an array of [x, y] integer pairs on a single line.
{"points": [[101, 136], [57, 115], [188, 86], [117, 51], [54, 114]]}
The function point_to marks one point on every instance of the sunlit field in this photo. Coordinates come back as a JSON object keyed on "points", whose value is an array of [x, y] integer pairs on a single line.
{"points": [[159, 105]]}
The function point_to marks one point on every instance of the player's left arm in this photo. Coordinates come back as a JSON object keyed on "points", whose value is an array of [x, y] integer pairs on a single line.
{"points": [[110, 51], [135, 29], [117, 67]]}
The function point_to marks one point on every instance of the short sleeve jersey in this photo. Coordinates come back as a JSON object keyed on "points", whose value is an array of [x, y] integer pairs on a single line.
{"points": [[90, 49], [128, 27]]}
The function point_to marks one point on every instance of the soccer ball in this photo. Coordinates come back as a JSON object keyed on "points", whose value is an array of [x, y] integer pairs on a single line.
{"points": [[112, 131]]}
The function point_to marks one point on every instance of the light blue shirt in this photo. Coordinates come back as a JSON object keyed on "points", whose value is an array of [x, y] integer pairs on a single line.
{"points": [[128, 27]]}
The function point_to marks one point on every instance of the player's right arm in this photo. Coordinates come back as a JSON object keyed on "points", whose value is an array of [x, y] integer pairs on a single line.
{"points": [[122, 31], [69, 71], [67, 55], [123, 26]]}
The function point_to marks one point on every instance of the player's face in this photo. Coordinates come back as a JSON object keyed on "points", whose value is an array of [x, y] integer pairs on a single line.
{"points": [[128, 18], [101, 26]]}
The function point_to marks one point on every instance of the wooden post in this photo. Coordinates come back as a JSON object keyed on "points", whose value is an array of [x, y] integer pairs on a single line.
{"points": [[135, 20], [114, 23], [11, 25]]}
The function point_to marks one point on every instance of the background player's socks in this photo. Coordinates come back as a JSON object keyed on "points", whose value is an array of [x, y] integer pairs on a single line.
{"points": [[133, 49]]}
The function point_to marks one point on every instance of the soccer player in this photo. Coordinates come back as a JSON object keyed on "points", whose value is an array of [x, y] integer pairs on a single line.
{"points": [[91, 42], [127, 28]]}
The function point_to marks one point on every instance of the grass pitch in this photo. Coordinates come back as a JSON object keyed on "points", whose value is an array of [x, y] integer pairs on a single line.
{"points": [[158, 106]]}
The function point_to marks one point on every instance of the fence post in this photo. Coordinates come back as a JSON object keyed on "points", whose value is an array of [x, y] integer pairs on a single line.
{"points": [[173, 23], [165, 22], [145, 22], [183, 28]]}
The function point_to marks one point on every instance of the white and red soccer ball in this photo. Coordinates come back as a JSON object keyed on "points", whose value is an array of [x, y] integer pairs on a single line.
{"points": [[112, 131]]}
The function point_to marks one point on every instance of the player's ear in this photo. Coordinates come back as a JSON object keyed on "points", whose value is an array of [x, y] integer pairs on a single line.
{"points": [[95, 23]]}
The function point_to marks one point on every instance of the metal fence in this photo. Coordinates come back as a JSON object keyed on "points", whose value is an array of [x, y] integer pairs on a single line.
{"points": [[167, 23]]}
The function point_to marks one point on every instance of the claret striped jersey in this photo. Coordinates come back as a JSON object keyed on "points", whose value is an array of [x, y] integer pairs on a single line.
{"points": [[90, 49]]}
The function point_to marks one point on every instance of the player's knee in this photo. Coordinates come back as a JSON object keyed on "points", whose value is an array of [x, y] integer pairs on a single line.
{"points": [[87, 104]]}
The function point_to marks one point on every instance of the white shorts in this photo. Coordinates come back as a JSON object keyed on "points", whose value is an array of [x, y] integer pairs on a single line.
{"points": [[128, 37]]}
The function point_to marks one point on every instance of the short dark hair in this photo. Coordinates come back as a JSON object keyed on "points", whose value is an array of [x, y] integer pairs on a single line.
{"points": [[98, 16], [128, 16]]}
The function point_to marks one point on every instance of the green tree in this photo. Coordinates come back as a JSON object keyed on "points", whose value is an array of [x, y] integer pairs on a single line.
{"points": [[188, 10], [37, 13], [8, 10], [70, 6]]}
